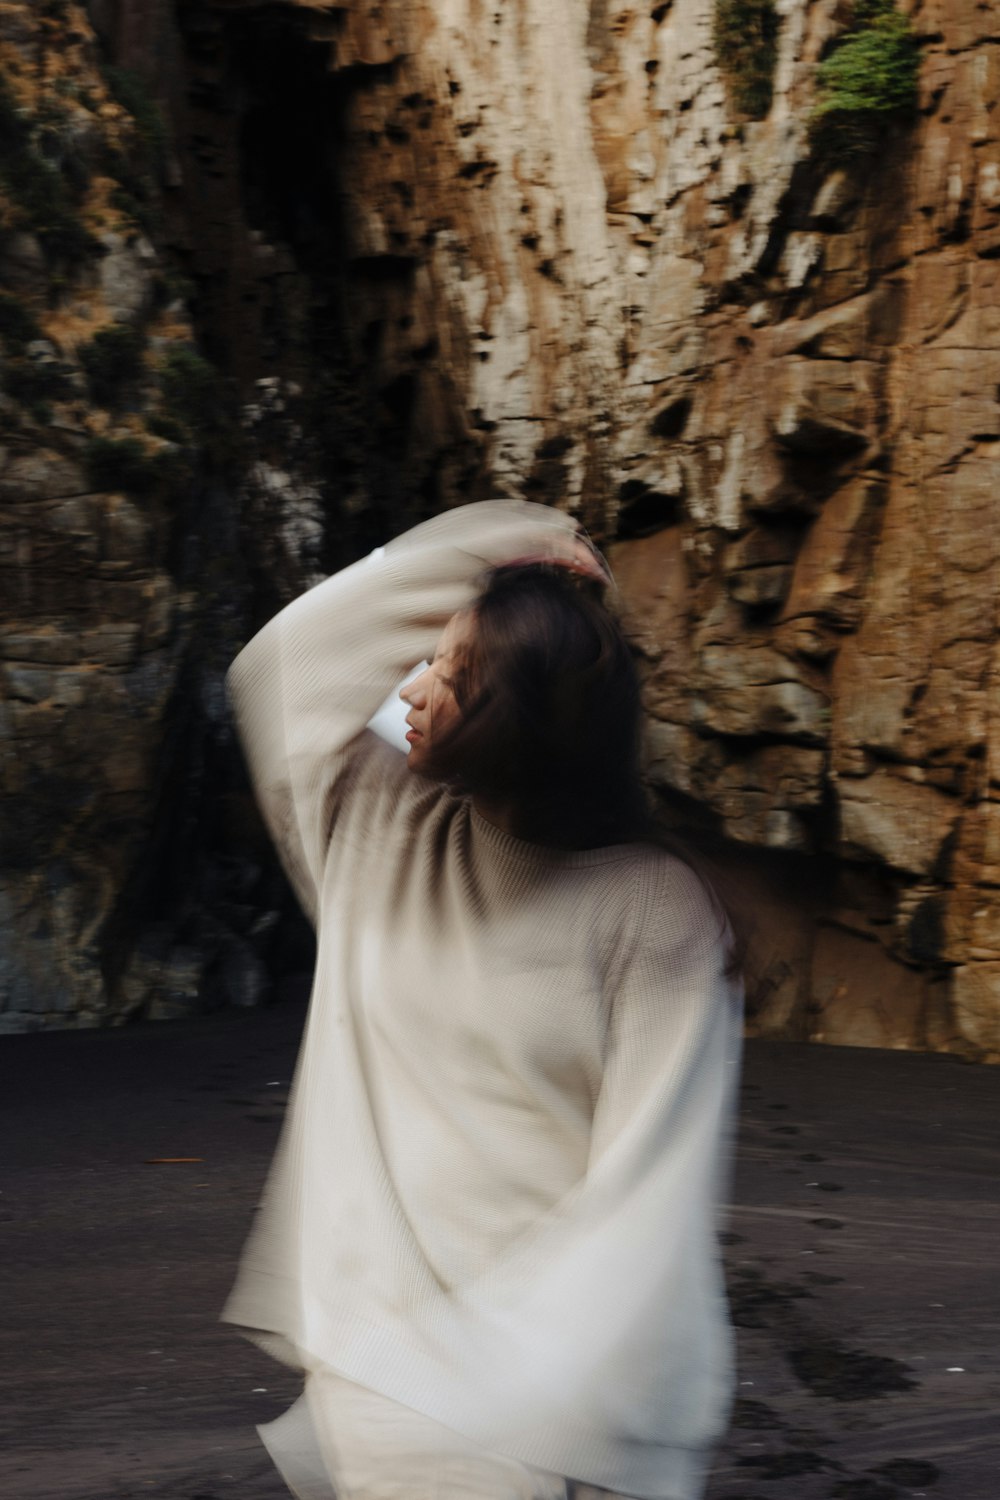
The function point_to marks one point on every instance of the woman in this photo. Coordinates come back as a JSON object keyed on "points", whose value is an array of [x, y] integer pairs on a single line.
{"points": [[488, 1237]]}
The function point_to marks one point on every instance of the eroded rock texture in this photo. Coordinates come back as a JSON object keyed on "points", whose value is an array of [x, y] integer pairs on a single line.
{"points": [[532, 248], [122, 889]]}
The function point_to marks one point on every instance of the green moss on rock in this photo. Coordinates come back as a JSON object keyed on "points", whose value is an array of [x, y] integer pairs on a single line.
{"points": [[194, 397], [745, 33], [112, 361], [44, 199]]}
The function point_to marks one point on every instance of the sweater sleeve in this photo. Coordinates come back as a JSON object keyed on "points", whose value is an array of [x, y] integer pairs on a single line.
{"points": [[305, 687], [661, 1016]]}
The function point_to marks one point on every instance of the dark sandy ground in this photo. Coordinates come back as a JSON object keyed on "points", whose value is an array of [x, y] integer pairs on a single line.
{"points": [[862, 1248]]}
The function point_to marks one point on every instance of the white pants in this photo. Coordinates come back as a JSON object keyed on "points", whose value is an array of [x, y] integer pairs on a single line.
{"points": [[343, 1442]]}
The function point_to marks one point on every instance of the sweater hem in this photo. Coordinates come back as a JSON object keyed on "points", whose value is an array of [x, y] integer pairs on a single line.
{"points": [[563, 1445]]}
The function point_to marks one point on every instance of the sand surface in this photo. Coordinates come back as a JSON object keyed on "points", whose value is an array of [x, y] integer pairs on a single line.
{"points": [[862, 1247]]}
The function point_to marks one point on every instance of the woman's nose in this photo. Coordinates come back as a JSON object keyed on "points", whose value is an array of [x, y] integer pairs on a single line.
{"points": [[412, 692]]}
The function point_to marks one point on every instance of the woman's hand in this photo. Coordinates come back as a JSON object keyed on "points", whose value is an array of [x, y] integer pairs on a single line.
{"points": [[579, 556], [589, 560]]}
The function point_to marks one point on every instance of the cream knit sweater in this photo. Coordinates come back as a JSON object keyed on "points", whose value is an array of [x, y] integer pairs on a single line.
{"points": [[494, 1200]]}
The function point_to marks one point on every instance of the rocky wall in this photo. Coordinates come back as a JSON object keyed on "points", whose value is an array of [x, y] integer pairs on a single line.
{"points": [[126, 884], [536, 249]]}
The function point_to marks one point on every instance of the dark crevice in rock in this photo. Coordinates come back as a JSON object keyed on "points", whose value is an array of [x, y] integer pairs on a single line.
{"points": [[671, 421], [644, 510]]}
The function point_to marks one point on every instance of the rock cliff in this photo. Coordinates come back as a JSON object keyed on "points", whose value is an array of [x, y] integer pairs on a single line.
{"points": [[445, 250], [121, 888]]}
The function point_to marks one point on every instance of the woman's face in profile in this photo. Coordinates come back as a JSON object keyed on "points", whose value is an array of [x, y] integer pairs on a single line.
{"points": [[431, 697]]}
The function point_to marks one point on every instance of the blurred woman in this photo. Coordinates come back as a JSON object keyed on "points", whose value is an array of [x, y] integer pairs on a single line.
{"points": [[489, 1234]]}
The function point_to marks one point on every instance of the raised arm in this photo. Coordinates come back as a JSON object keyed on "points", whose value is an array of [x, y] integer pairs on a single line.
{"points": [[305, 687]]}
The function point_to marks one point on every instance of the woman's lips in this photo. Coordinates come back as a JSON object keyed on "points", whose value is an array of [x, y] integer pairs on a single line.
{"points": [[413, 735]]}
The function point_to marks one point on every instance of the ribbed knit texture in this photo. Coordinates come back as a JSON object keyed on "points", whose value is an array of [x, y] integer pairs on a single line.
{"points": [[494, 1199]]}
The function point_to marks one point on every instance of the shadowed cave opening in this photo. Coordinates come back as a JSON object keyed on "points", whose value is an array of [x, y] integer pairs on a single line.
{"points": [[282, 295], [257, 223], [331, 322]]}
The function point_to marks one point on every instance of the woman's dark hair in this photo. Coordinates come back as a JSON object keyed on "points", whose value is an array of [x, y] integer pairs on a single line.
{"points": [[552, 720], [551, 715]]}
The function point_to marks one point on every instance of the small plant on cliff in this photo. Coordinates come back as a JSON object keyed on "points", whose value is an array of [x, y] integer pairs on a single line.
{"points": [[867, 82], [45, 209], [41, 195], [18, 324], [119, 464], [112, 361], [137, 163], [194, 396], [173, 287], [13, 124], [34, 383], [139, 207], [745, 33], [162, 426], [126, 464], [133, 96]]}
